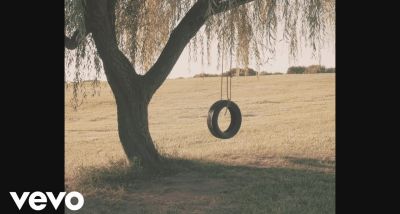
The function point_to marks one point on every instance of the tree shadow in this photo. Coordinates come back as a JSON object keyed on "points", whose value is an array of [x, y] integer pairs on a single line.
{"points": [[188, 186]]}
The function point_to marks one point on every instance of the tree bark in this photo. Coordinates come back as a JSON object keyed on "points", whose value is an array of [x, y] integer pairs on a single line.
{"points": [[134, 132]]}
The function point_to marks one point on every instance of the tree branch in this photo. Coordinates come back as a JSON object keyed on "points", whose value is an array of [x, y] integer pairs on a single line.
{"points": [[72, 43], [182, 34], [225, 5], [111, 14], [120, 73]]}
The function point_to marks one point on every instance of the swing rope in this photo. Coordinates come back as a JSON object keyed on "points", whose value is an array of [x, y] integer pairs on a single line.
{"points": [[222, 66], [228, 76], [228, 104]]}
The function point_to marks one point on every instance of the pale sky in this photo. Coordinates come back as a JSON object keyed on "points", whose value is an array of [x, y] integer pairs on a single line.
{"points": [[279, 63]]}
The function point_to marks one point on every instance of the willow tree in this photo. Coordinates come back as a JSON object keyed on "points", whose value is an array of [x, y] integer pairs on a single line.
{"points": [[137, 43]]}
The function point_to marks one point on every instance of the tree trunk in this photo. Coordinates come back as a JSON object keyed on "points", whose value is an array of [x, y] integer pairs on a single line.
{"points": [[134, 132], [132, 96]]}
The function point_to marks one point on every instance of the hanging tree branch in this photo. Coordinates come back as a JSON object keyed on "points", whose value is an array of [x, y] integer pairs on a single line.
{"points": [[73, 42], [181, 35], [225, 5], [80, 33]]}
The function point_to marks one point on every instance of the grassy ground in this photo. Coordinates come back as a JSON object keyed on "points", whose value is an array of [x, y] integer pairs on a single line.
{"points": [[281, 161]]}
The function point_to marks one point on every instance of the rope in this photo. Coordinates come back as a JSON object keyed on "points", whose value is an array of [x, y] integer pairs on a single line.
{"points": [[228, 76], [222, 65], [230, 87], [227, 84]]}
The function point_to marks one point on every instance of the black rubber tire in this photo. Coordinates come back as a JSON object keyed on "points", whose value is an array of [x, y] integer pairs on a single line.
{"points": [[212, 119]]}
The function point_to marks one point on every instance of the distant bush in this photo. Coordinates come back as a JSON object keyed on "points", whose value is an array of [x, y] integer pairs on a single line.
{"points": [[296, 70], [231, 72], [205, 75], [314, 69], [241, 72], [330, 70], [264, 73]]}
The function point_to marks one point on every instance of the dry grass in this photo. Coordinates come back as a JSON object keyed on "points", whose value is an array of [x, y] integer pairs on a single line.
{"points": [[281, 161]]}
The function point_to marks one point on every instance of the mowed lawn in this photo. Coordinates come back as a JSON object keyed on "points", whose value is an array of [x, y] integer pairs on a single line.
{"points": [[281, 161]]}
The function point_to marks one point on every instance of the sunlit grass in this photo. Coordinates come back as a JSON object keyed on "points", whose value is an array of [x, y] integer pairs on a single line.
{"points": [[281, 161]]}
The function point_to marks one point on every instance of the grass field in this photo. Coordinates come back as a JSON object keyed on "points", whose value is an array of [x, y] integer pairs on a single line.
{"points": [[281, 161]]}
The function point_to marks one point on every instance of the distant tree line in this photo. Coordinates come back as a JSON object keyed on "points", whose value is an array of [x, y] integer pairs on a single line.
{"points": [[312, 69], [237, 72]]}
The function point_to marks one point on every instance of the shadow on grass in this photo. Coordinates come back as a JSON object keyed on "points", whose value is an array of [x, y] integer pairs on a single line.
{"points": [[185, 186]]}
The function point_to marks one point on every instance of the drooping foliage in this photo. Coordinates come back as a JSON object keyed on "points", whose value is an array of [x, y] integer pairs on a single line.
{"points": [[245, 34]]}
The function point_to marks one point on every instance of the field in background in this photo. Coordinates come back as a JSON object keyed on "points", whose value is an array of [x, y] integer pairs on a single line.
{"points": [[281, 161]]}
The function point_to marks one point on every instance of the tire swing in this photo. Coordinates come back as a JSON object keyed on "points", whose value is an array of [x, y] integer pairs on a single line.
{"points": [[212, 119], [215, 110]]}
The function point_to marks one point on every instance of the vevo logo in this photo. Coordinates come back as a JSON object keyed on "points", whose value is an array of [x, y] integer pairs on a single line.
{"points": [[38, 200]]}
